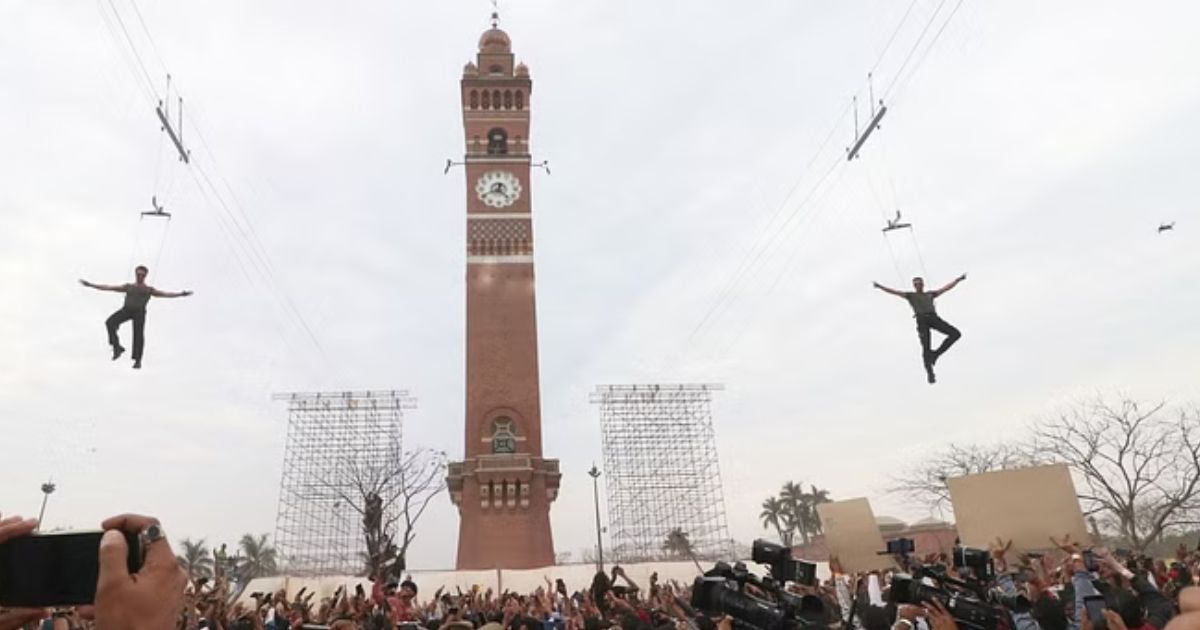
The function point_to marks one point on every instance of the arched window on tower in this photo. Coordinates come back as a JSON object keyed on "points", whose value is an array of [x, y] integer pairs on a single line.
{"points": [[496, 69], [508, 103], [496, 99], [474, 99], [487, 100], [520, 96], [504, 436], [497, 142]]}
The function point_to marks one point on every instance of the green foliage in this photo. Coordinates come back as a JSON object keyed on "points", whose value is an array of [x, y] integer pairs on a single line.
{"points": [[794, 511]]}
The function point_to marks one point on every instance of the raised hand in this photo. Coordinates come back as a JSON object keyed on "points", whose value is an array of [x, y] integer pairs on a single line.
{"points": [[1066, 544], [10, 528], [999, 549], [151, 598], [939, 618]]}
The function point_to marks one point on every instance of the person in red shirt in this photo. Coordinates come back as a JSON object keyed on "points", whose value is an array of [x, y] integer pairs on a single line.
{"points": [[399, 606]]}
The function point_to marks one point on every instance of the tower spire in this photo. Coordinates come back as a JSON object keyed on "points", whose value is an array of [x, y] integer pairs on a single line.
{"points": [[495, 13]]}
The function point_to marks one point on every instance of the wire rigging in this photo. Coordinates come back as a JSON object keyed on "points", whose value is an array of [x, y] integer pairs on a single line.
{"points": [[122, 50], [758, 248], [150, 38], [767, 238], [242, 240], [936, 37], [916, 45], [895, 32], [133, 47]]}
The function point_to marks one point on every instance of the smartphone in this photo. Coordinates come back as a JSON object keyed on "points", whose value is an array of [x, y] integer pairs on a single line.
{"points": [[48, 570], [1089, 561], [1095, 604]]}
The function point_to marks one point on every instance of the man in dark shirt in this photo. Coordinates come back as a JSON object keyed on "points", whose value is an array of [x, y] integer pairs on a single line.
{"points": [[137, 294], [927, 319]]}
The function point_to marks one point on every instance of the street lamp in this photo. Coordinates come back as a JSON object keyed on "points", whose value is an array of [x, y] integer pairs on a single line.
{"points": [[594, 473], [47, 489]]}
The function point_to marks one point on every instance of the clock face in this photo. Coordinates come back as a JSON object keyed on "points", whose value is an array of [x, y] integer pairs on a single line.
{"points": [[498, 189]]}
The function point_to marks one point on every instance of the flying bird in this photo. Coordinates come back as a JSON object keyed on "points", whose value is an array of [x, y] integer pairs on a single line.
{"points": [[1165, 227]]}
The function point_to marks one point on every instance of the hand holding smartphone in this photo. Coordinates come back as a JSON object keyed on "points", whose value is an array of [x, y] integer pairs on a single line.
{"points": [[1095, 605], [45, 570]]}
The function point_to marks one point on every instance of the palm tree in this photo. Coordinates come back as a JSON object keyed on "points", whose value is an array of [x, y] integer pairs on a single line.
{"points": [[195, 559], [258, 558], [816, 497], [677, 544], [773, 515], [796, 508]]}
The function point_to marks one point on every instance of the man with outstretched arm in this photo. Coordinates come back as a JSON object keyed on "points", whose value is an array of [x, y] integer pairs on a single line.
{"points": [[137, 294], [927, 319]]}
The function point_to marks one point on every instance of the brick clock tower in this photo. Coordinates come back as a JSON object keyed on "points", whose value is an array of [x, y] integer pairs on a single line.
{"points": [[503, 487]]}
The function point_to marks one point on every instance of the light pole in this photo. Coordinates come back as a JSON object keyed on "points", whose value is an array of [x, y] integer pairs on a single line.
{"points": [[594, 473], [47, 489]]}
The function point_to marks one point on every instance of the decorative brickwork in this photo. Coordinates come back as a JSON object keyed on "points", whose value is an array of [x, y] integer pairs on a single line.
{"points": [[499, 237], [503, 487]]}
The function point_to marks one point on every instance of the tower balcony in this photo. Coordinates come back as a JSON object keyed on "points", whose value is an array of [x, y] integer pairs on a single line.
{"points": [[503, 470]]}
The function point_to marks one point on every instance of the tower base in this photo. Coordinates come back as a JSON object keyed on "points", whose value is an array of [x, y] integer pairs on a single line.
{"points": [[504, 507]]}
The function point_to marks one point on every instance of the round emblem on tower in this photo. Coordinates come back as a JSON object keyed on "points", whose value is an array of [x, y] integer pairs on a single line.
{"points": [[498, 189]]}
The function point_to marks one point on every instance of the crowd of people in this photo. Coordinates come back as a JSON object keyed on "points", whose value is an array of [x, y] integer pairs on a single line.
{"points": [[1029, 592]]}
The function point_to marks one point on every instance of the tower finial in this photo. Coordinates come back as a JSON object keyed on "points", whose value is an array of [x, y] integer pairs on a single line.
{"points": [[495, 13]]}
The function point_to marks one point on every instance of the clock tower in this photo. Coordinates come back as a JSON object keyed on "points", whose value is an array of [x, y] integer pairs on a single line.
{"points": [[503, 487]]}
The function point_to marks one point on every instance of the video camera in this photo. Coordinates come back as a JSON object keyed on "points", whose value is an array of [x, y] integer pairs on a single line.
{"points": [[784, 568], [979, 561], [968, 600], [722, 591]]}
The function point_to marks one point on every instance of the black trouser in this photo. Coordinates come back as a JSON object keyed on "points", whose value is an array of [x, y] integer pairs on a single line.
{"points": [[139, 328], [931, 321]]}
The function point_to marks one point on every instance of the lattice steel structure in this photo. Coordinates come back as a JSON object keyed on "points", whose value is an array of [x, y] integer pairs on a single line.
{"points": [[661, 470], [329, 435]]}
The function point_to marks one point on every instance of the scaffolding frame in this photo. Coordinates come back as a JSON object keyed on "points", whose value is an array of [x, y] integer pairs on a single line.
{"points": [[330, 434], [661, 470]]}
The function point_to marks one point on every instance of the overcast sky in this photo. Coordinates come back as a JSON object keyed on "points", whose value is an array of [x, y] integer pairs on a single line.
{"points": [[1037, 146]]}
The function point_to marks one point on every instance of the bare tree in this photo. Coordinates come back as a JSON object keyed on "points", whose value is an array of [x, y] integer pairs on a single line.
{"points": [[391, 498], [925, 481], [1140, 466], [422, 477]]}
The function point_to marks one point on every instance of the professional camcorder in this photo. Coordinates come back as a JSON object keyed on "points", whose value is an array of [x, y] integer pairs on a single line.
{"points": [[722, 591], [968, 600]]}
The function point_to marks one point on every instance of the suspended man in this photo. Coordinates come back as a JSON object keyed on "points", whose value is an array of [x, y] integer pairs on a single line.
{"points": [[927, 319], [137, 294]]}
